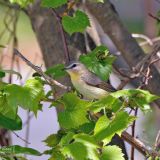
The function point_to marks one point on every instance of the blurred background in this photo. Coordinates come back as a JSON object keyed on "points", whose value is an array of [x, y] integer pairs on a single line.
{"points": [[135, 16]]}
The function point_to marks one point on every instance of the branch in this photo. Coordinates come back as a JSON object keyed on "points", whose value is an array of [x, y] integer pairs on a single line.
{"points": [[20, 138], [48, 79], [66, 51], [140, 146]]}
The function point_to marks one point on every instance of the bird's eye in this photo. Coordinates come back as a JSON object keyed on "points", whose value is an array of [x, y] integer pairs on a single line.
{"points": [[74, 65]]}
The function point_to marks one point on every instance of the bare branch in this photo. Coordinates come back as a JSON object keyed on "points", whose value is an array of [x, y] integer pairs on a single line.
{"points": [[66, 51], [140, 146], [48, 79], [20, 137]]}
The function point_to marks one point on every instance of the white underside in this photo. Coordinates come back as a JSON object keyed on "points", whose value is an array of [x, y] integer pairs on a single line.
{"points": [[89, 92]]}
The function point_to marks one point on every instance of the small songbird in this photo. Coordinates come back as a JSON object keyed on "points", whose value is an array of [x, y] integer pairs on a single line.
{"points": [[87, 83]]}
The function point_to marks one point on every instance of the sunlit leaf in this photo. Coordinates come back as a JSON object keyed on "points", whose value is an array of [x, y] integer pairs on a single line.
{"points": [[99, 62], [112, 153], [118, 124], [75, 111], [136, 97], [78, 23]]}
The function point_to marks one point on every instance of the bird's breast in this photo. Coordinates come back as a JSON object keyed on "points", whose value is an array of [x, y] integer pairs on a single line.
{"points": [[88, 91]]}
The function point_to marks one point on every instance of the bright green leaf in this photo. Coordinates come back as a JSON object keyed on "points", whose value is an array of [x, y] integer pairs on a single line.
{"points": [[112, 153], [90, 144], [78, 23], [118, 124], [108, 102], [53, 3], [99, 62], [75, 150], [102, 123], [56, 71], [16, 149], [28, 96], [66, 139], [137, 98], [75, 111]]}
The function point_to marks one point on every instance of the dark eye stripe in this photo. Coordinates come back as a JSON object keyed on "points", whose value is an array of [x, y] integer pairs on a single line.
{"points": [[74, 65]]}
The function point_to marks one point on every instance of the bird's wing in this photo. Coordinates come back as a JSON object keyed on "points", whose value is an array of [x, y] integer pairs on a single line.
{"points": [[95, 81]]}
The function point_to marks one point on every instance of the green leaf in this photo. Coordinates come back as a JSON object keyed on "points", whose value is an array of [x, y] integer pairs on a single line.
{"points": [[112, 153], [78, 23], [56, 155], [28, 96], [16, 149], [75, 150], [137, 98], [53, 3], [6, 109], [102, 123], [11, 124], [56, 71], [2, 74], [52, 140], [108, 102], [66, 139], [75, 111], [99, 62], [118, 124], [22, 3], [90, 144], [87, 127]]}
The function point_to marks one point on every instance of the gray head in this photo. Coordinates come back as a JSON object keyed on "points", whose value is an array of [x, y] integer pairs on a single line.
{"points": [[76, 68]]}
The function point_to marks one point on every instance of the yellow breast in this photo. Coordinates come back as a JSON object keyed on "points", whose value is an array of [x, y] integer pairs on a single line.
{"points": [[88, 91]]}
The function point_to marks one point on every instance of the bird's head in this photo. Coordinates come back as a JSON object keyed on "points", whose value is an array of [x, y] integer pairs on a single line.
{"points": [[76, 69]]}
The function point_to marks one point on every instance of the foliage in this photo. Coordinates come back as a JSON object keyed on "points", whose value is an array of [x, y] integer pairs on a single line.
{"points": [[56, 71], [99, 62], [78, 23], [87, 127]]}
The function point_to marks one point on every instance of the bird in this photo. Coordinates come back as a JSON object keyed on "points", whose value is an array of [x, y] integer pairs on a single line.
{"points": [[88, 83]]}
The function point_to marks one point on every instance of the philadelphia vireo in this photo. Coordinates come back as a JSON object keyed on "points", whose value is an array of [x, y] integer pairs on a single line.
{"points": [[87, 83]]}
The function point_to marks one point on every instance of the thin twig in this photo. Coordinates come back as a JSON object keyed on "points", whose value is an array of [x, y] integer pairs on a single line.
{"points": [[48, 79], [29, 117], [27, 129], [66, 51], [154, 17], [133, 133], [20, 137]]}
